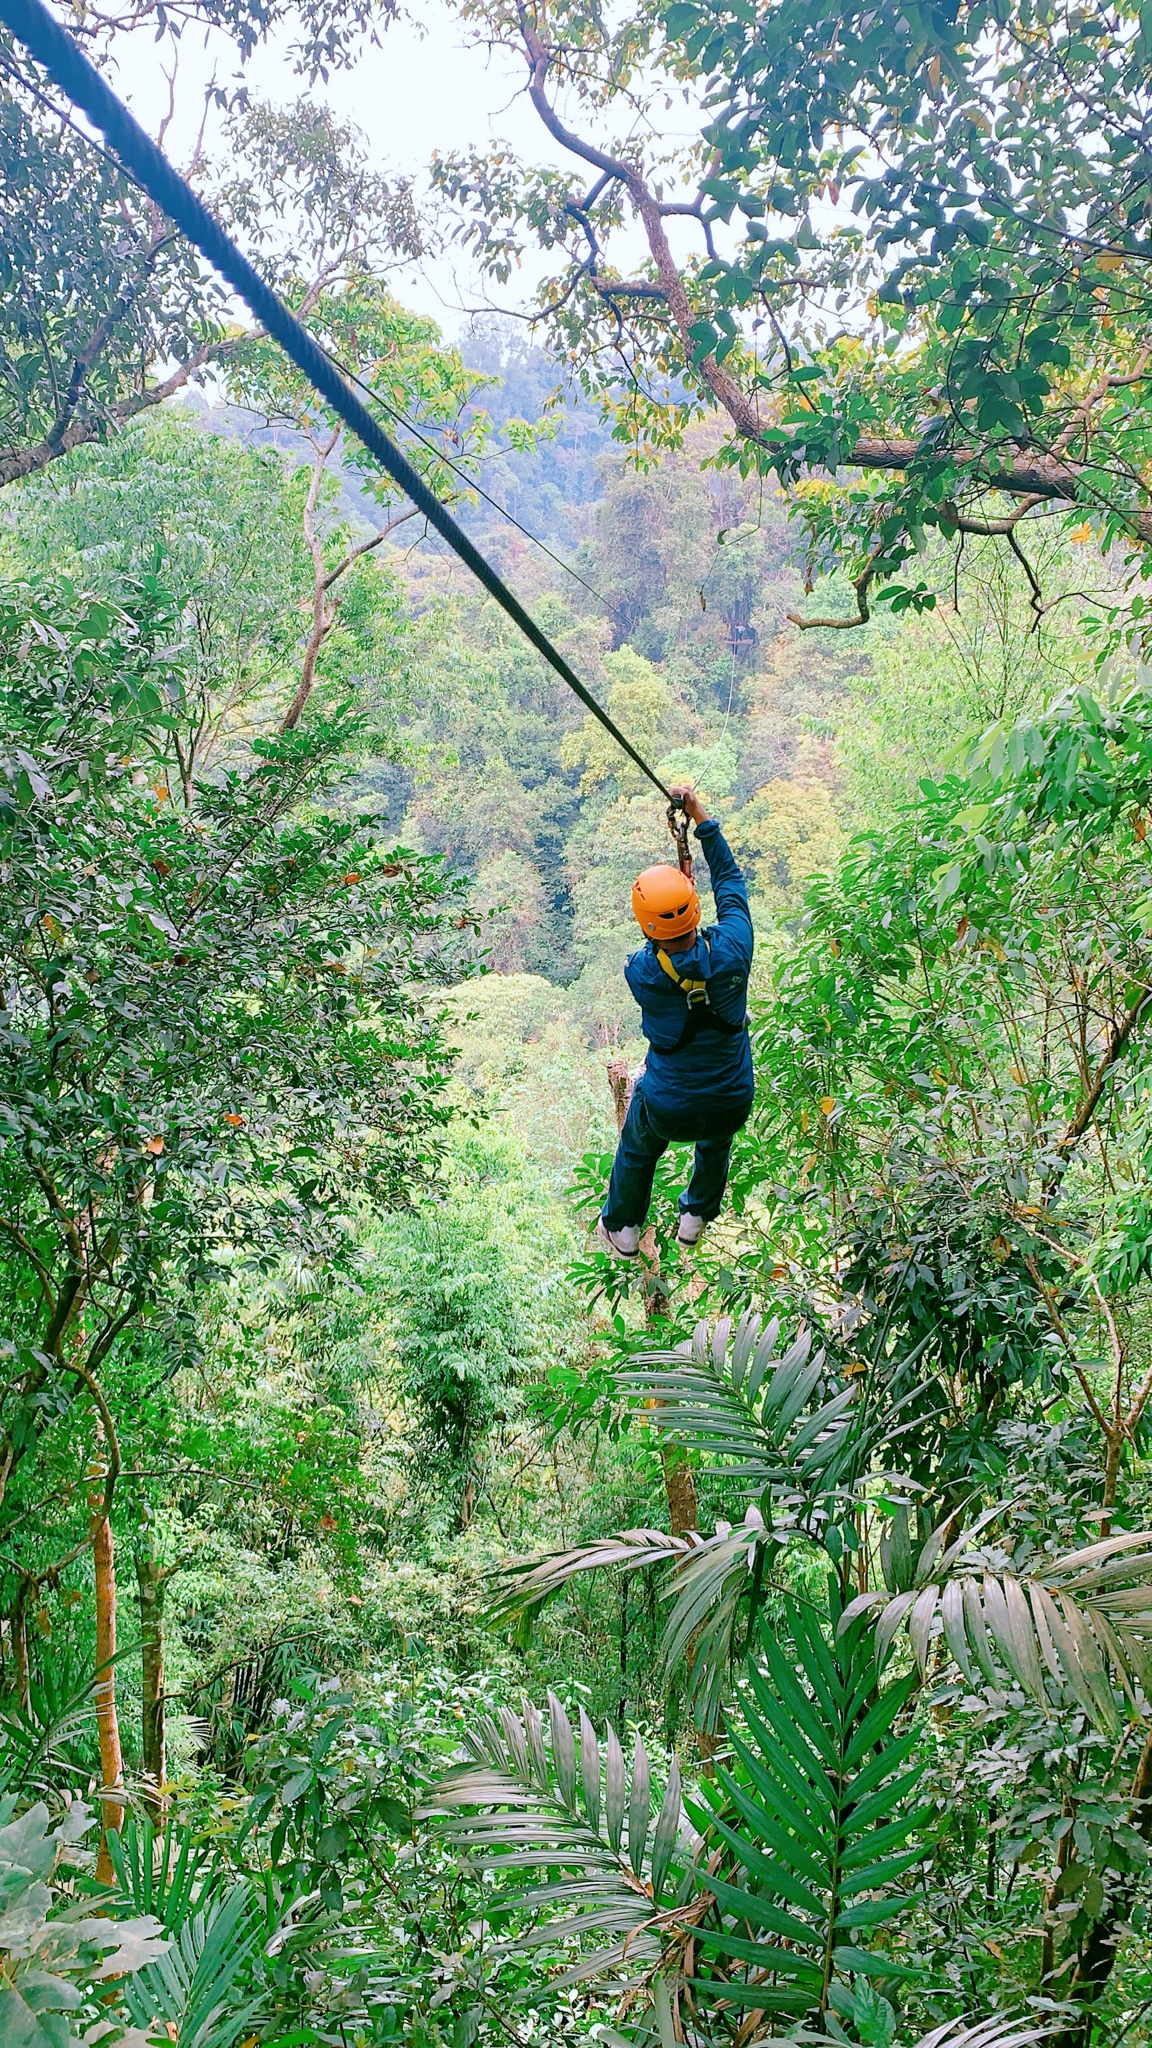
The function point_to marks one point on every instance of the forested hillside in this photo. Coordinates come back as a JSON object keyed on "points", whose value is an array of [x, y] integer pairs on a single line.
{"points": [[419, 1627]]}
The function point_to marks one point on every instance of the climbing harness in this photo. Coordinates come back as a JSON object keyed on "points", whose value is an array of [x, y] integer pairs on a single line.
{"points": [[71, 71], [695, 993], [701, 1016]]}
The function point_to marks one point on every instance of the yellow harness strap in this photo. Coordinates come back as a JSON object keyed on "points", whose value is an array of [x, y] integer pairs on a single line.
{"points": [[693, 991]]}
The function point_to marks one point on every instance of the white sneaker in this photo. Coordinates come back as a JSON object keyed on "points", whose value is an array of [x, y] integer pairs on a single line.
{"points": [[625, 1242], [691, 1228]]}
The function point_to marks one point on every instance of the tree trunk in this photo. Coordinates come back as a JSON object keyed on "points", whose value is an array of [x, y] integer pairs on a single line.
{"points": [[680, 1491], [20, 1672], [107, 1724], [150, 1582]]}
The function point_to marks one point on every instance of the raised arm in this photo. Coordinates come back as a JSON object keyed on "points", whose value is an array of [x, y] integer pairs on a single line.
{"points": [[728, 885]]}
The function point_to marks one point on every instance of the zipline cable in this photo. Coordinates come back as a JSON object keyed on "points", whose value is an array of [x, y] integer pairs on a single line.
{"points": [[72, 72], [470, 482]]}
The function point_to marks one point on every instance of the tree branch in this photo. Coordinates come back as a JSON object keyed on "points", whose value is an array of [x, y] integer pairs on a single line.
{"points": [[42, 1273], [78, 433], [961, 522], [322, 616], [112, 1471], [1116, 1048], [366, 547], [863, 613]]}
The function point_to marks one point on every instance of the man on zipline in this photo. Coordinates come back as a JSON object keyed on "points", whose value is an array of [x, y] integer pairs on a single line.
{"points": [[697, 1085]]}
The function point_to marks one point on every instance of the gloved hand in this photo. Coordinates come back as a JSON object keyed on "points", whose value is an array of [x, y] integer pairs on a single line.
{"points": [[684, 795]]}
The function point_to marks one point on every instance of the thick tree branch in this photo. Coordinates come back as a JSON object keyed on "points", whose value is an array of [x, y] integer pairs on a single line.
{"points": [[863, 614], [66, 1301], [97, 342], [112, 1467], [1031, 475], [61, 438]]}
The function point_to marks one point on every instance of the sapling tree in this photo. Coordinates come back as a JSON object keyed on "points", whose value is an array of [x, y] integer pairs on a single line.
{"points": [[215, 1026], [422, 394]]}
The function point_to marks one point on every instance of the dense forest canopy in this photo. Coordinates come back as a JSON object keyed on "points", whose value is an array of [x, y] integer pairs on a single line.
{"points": [[417, 1627]]}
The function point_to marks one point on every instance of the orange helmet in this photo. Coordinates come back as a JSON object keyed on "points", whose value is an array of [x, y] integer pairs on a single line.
{"points": [[664, 903]]}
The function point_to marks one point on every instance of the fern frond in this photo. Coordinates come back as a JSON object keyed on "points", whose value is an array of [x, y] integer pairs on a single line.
{"points": [[705, 1580], [1077, 1626], [805, 1844]]}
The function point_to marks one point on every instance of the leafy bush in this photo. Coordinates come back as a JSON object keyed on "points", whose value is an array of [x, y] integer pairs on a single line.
{"points": [[66, 1974]]}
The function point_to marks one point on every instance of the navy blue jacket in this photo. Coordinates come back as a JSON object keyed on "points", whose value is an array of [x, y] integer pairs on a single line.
{"points": [[712, 1075]]}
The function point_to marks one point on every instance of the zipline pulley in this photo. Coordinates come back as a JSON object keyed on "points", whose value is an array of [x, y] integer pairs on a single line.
{"points": [[678, 822]]}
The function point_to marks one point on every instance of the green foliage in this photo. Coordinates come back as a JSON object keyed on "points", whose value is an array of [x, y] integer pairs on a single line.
{"points": [[205, 1989], [277, 951], [813, 1813], [92, 285], [817, 1809], [957, 1047], [778, 1422], [168, 504], [914, 302], [622, 1849], [293, 1299], [216, 1029], [63, 1969], [106, 311], [1064, 1622]]}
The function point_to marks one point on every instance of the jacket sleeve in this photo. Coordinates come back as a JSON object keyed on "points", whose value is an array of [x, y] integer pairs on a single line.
{"points": [[632, 977], [729, 888]]}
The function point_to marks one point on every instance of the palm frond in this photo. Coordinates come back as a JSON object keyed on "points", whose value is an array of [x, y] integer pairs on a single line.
{"points": [[170, 1874], [44, 1746], [803, 1853], [1077, 1626], [706, 1580], [815, 1815], [767, 1415], [996, 2032], [776, 1418], [208, 1989], [532, 1580], [572, 1834]]}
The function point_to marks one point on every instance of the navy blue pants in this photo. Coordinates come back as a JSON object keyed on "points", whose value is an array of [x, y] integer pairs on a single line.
{"points": [[645, 1138]]}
